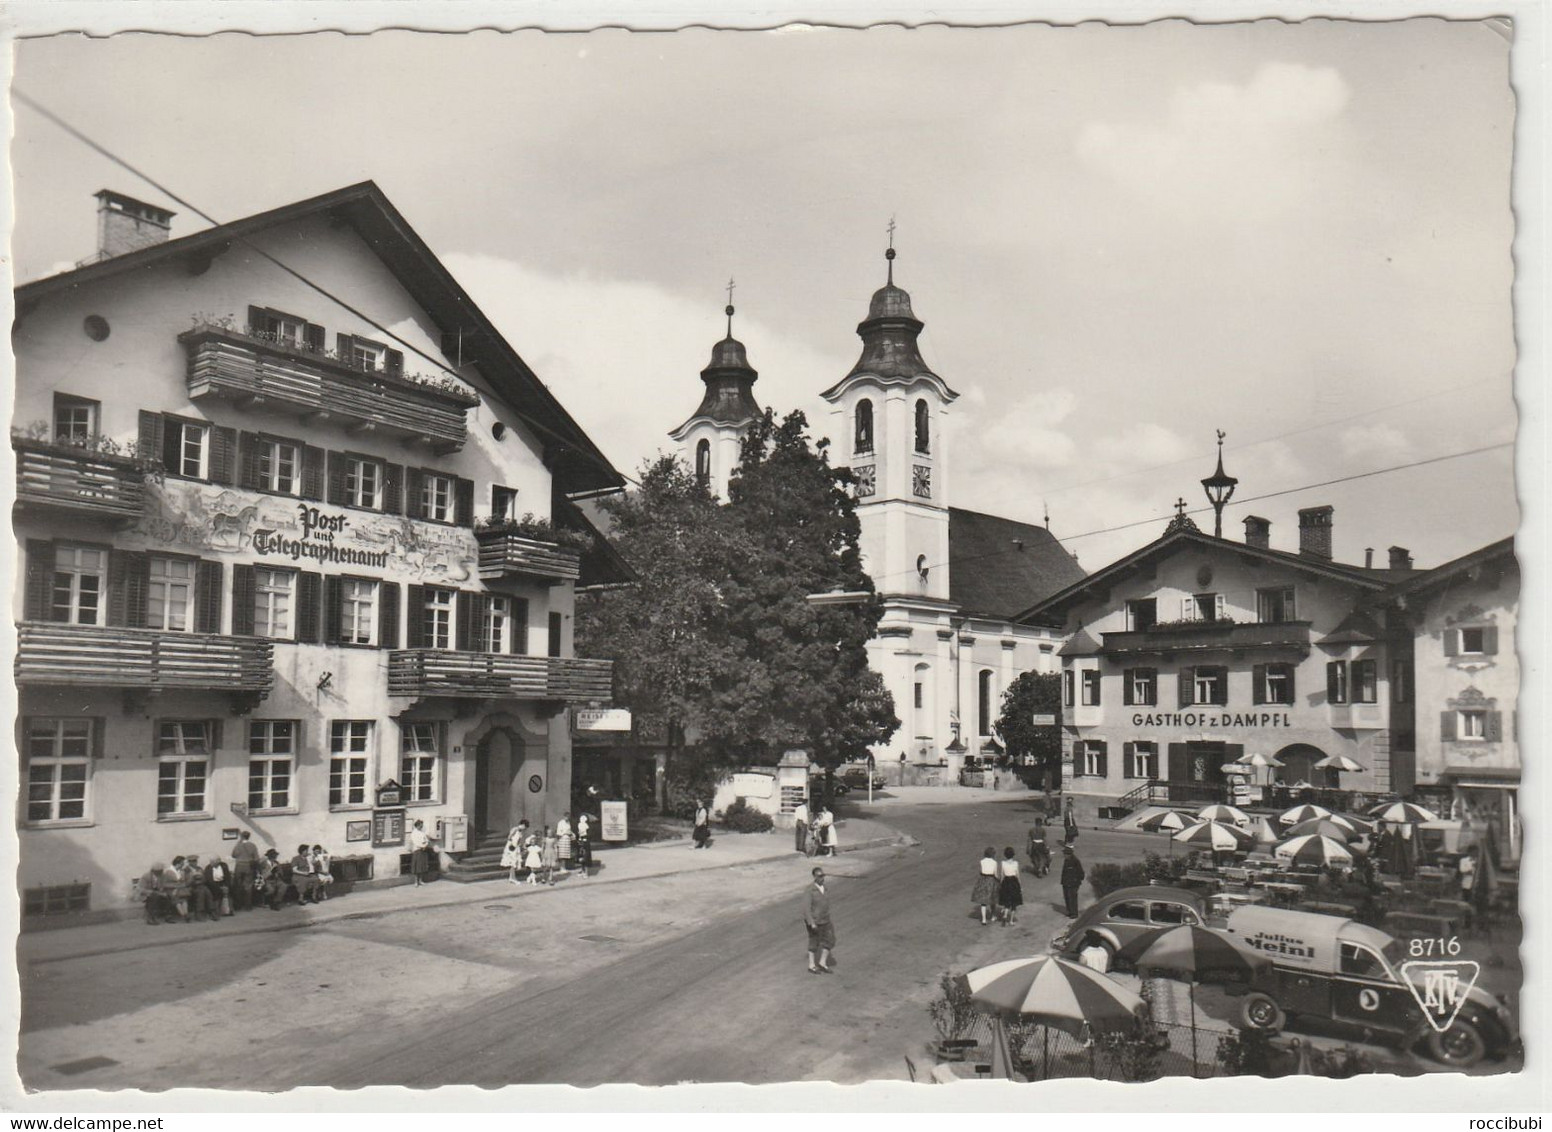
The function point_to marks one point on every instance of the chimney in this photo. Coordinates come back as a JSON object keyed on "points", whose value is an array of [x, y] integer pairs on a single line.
{"points": [[1368, 558], [125, 224], [1400, 558], [1315, 532], [1258, 532]]}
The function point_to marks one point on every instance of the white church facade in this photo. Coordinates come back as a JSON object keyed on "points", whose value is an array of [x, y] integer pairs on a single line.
{"points": [[952, 580]]}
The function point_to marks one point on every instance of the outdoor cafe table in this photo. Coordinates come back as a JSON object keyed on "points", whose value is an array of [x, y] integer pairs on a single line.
{"points": [[1282, 891], [1326, 908]]}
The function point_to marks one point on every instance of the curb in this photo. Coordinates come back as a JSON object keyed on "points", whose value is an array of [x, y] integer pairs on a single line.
{"points": [[902, 840]]}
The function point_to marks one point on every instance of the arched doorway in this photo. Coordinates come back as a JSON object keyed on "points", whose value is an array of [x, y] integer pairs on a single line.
{"points": [[1299, 761], [508, 760]]}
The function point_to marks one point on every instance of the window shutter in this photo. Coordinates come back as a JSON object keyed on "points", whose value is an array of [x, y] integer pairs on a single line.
{"points": [[395, 363], [207, 614], [247, 461], [244, 598], [39, 600], [136, 570], [388, 615], [172, 445], [1102, 767], [1126, 686], [1218, 606], [1179, 769], [1221, 688], [120, 563], [313, 337], [1490, 640], [1447, 725], [1492, 727], [333, 610], [1258, 684], [152, 428], [1291, 670], [1069, 681], [393, 489], [213, 732], [99, 737], [223, 455], [1186, 676], [344, 348], [468, 604], [1333, 682], [312, 472], [309, 606], [519, 632], [415, 493], [555, 634], [1188, 609], [463, 502], [1099, 686], [257, 320], [415, 618], [1128, 760], [1452, 642], [1151, 695], [335, 491]]}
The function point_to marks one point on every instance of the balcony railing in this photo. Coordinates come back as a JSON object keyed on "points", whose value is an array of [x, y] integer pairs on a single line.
{"points": [[78, 480], [1200, 636], [435, 672], [142, 659], [250, 368], [504, 554]]}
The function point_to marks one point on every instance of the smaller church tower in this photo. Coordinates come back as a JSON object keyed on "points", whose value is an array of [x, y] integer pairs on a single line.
{"points": [[709, 442], [888, 413]]}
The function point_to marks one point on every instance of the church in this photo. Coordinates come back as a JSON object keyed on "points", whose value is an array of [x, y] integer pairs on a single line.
{"points": [[953, 580]]}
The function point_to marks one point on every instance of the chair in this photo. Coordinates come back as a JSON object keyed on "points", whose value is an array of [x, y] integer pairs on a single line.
{"points": [[910, 1068]]}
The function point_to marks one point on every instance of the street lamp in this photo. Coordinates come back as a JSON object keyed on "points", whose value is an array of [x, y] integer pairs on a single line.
{"points": [[1220, 489]]}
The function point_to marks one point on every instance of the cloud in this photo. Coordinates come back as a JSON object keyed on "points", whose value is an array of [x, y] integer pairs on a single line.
{"points": [[1375, 445]]}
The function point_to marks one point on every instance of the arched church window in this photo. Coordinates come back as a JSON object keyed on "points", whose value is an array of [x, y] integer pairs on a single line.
{"points": [[703, 462], [984, 702], [923, 427], [864, 441]]}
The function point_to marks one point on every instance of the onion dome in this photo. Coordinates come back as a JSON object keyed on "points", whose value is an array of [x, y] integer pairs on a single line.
{"points": [[890, 353], [729, 398]]}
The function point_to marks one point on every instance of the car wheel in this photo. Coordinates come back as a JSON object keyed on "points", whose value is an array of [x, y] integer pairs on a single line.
{"points": [[1261, 1012], [1460, 1047]]}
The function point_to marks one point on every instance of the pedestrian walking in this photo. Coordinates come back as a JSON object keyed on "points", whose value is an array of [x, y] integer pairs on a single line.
{"points": [[1010, 894], [218, 879], [1070, 822], [821, 930], [832, 835], [800, 827], [1072, 878], [420, 852], [245, 869], [824, 822], [512, 852], [323, 871], [702, 825], [533, 859], [551, 855], [984, 895]]}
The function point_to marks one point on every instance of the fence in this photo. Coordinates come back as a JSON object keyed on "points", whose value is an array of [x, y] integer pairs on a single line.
{"points": [[1041, 1053]]}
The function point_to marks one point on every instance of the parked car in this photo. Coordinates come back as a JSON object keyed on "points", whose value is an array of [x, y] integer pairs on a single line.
{"points": [[1337, 969], [856, 776], [816, 786], [1121, 916]]}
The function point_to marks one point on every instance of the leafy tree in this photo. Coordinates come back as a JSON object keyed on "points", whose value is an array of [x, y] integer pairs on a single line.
{"points": [[1033, 693]]}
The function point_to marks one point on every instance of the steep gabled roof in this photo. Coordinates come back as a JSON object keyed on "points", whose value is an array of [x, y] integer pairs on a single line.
{"points": [[572, 457], [1441, 575], [1171, 542], [999, 566]]}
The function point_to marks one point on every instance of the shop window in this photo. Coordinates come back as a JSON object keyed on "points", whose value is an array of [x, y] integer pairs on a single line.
{"points": [[419, 762], [59, 768], [350, 748], [271, 750]]}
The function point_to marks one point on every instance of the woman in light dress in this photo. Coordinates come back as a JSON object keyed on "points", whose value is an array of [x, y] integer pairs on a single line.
{"points": [[512, 853], [984, 895]]}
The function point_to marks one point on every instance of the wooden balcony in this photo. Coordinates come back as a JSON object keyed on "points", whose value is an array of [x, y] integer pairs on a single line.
{"points": [[503, 554], [465, 675], [142, 660], [67, 478], [1206, 636], [251, 369]]}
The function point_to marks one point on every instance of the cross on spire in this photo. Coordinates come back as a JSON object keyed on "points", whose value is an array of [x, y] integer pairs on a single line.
{"points": [[730, 286], [1180, 508], [890, 254]]}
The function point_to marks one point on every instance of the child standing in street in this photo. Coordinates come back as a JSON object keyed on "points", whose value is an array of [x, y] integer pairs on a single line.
{"points": [[533, 859], [551, 855]]}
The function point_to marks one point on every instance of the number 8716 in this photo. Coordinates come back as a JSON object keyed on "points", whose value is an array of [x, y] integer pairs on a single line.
{"points": [[1422, 948]]}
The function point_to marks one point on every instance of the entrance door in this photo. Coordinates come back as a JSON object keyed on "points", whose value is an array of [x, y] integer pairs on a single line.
{"points": [[1206, 761], [494, 762]]}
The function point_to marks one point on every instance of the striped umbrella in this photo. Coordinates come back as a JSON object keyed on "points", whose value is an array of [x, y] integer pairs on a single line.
{"points": [[1056, 993], [1303, 813], [1215, 835], [1262, 831], [1403, 813], [1196, 954], [1325, 827], [1258, 760], [1313, 849], [1166, 820], [1221, 813], [1339, 762], [1360, 826]]}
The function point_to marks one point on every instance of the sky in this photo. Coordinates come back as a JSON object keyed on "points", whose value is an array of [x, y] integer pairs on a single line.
{"points": [[1121, 239]]}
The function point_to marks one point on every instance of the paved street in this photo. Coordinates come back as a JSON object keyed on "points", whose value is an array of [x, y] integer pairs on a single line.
{"points": [[696, 976]]}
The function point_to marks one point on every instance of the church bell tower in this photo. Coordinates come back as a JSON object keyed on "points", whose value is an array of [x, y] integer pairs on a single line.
{"points": [[710, 441]]}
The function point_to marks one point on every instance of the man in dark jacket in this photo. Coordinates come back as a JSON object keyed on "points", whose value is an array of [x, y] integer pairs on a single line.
{"points": [[821, 932], [1072, 878]]}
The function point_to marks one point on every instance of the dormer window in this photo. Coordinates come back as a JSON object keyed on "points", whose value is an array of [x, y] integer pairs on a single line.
{"points": [[365, 354], [285, 329], [864, 434], [923, 428]]}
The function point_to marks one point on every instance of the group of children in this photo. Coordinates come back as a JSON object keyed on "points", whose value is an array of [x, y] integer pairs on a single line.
{"points": [[544, 857]]}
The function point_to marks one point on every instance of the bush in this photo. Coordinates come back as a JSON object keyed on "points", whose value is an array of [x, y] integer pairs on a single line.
{"points": [[741, 817], [1106, 877], [952, 1012], [1248, 1053], [688, 785]]}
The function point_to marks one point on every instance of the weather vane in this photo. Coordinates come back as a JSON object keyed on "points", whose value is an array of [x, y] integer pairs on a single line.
{"points": [[1219, 488]]}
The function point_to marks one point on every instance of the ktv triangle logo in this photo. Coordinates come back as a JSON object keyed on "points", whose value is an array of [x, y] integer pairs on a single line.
{"points": [[1440, 987]]}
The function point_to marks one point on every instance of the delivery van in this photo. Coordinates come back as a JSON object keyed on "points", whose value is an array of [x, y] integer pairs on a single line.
{"points": [[1350, 973]]}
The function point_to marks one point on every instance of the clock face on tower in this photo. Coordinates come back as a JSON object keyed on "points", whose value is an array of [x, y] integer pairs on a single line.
{"points": [[867, 481], [921, 481]]}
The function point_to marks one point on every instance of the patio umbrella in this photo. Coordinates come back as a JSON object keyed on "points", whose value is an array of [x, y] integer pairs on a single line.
{"points": [[1258, 760], [1303, 813], [1215, 835], [1166, 821], [1403, 813], [1196, 954], [1220, 813], [1339, 762], [1325, 827], [1262, 831], [1055, 993], [1313, 849]]}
